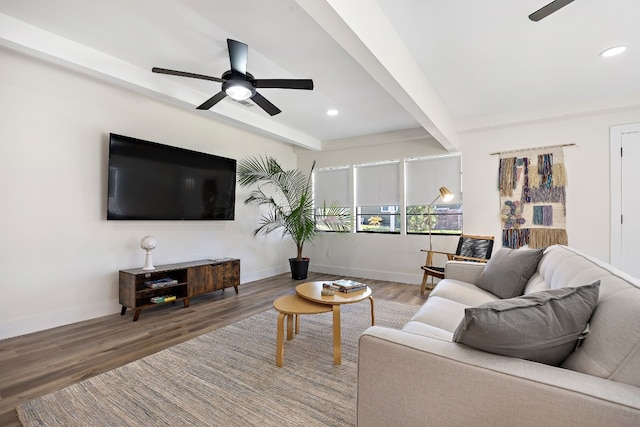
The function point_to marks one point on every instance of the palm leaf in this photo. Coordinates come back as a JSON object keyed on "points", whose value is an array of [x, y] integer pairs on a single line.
{"points": [[287, 194]]}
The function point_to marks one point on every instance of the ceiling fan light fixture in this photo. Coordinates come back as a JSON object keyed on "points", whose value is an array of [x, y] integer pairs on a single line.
{"points": [[238, 84], [239, 90], [613, 51]]}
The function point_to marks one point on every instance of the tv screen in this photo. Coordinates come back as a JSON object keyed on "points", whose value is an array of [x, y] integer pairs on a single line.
{"points": [[151, 181]]}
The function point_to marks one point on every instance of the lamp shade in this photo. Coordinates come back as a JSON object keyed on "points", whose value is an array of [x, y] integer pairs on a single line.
{"points": [[445, 194]]}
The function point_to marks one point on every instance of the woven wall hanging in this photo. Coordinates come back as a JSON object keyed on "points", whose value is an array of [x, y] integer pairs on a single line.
{"points": [[532, 185]]}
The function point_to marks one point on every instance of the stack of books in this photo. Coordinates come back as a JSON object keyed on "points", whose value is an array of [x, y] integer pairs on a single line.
{"points": [[160, 283], [163, 298], [347, 286]]}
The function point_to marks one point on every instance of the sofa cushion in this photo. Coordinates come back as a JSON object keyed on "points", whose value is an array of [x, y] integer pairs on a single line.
{"points": [[427, 330], [508, 271], [542, 326], [537, 283], [442, 313], [462, 292], [612, 349]]}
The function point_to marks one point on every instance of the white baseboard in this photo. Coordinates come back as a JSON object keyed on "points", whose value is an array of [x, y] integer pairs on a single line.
{"points": [[414, 279], [262, 274]]}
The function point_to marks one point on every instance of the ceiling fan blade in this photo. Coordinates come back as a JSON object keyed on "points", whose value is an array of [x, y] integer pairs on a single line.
{"points": [[547, 10], [185, 74], [265, 104], [283, 83], [212, 101], [238, 53]]}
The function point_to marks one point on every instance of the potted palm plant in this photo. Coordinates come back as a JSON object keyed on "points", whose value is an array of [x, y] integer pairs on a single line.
{"points": [[288, 197]]}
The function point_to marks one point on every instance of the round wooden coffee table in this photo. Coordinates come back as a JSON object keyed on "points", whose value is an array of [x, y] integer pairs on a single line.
{"points": [[312, 291], [292, 306]]}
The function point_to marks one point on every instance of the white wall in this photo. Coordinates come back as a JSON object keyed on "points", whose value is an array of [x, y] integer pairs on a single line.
{"points": [[397, 257], [587, 164], [59, 256]]}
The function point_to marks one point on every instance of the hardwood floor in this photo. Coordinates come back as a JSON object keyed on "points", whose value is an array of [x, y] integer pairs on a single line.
{"points": [[36, 364]]}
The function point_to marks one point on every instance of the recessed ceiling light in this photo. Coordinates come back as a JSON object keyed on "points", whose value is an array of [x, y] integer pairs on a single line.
{"points": [[613, 51], [332, 112]]}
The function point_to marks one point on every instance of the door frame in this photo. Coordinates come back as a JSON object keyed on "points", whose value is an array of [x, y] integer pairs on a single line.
{"points": [[615, 201]]}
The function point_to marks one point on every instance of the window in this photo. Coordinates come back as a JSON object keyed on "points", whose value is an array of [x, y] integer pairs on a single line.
{"points": [[423, 178], [331, 194], [378, 197], [383, 194], [389, 209]]}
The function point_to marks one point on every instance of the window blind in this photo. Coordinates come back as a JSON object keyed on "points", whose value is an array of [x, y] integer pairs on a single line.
{"points": [[378, 184], [332, 185], [424, 177]]}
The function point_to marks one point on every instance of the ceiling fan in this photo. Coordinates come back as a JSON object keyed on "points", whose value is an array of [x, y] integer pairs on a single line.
{"points": [[547, 10], [240, 85]]}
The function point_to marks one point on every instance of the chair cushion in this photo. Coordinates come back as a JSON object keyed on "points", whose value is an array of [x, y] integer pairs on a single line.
{"points": [[542, 326], [434, 269], [475, 248], [508, 271]]}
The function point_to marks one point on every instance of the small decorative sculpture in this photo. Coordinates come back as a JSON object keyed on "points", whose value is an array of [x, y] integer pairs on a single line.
{"points": [[327, 290], [148, 243]]}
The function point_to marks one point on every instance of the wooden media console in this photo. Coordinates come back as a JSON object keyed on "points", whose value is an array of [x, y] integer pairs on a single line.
{"points": [[181, 282]]}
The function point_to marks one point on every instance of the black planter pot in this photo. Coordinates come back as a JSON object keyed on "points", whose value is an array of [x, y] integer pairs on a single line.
{"points": [[299, 269]]}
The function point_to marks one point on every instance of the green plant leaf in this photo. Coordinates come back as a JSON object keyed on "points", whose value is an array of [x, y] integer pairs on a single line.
{"points": [[288, 197]]}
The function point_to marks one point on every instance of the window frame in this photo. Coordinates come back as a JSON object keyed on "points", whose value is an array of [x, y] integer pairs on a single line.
{"points": [[397, 216]]}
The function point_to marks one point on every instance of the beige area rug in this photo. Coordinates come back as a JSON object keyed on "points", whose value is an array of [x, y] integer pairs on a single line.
{"points": [[228, 377]]}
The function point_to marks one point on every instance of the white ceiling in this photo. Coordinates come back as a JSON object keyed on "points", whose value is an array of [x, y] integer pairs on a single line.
{"points": [[397, 67]]}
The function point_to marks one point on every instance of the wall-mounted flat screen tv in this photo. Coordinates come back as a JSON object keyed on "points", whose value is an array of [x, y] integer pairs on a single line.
{"points": [[151, 181]]}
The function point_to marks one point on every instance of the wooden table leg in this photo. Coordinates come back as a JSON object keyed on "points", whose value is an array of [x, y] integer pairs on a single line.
{"points": [[373, 321], [337, 346], [289, 326], [293, 306], [136, 314], [280, 341]]}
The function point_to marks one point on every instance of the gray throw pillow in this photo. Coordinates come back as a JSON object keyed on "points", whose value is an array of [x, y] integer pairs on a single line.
{"points": [[508, 271], [542, 326]]}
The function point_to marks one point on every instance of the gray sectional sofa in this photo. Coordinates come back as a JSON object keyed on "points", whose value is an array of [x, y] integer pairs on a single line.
{"points": [[420, 376]]}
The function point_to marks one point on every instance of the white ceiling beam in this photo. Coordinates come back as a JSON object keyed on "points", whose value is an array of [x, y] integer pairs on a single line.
{"points": [[36, 42], [364, 31]]}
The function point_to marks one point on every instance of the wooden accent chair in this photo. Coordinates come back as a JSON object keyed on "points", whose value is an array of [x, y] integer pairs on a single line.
{"points": [[470, 248]]}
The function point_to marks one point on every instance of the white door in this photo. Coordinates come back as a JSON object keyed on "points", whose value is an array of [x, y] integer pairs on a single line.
{"points": [[630, 251], [625, 212]]}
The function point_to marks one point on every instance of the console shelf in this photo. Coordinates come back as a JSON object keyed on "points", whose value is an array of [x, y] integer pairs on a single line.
{"points": [[189, 279]]}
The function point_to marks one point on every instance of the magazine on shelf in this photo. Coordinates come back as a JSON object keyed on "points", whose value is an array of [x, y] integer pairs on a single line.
{"points": [[160, 283]]}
